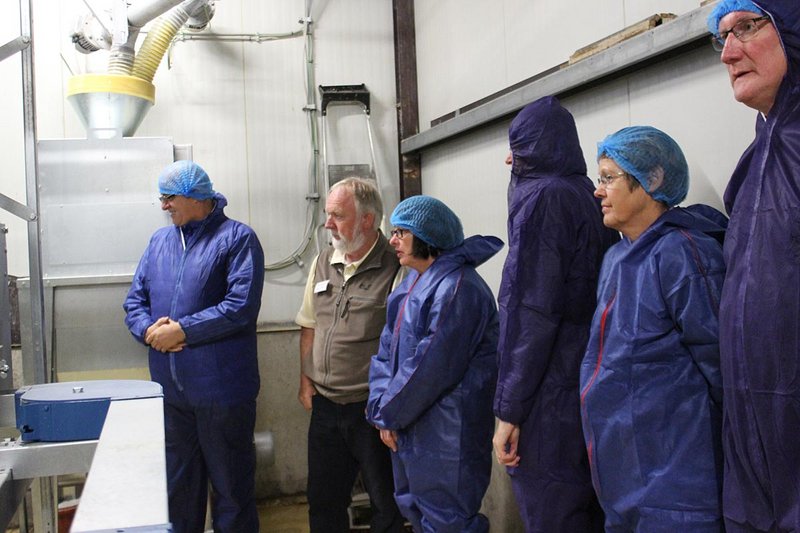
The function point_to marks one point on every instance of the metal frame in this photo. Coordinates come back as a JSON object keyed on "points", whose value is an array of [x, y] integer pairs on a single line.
{"points": [[636, 52], [6, 365], [38, 328], [43, 492]]}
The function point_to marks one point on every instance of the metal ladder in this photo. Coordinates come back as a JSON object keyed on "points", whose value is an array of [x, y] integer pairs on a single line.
{"points": [[357, 95]]}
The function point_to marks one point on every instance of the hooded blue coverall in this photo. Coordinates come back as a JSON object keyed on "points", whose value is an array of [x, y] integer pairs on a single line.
{"points": [[760, 310], [651, 386], [432, 382], [547, 297]]}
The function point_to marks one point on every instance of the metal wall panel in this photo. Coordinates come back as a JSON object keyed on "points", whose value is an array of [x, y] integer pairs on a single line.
{"points": [[688, 97], [491, 44], [99, 203]]}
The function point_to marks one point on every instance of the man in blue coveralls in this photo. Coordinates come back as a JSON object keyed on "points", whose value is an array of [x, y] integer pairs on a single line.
{"points": [[194, 301], [759, 319]]}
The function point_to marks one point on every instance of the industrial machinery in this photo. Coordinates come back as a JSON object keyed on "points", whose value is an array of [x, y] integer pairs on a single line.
{"points": [[114, 430], [82, 196]]}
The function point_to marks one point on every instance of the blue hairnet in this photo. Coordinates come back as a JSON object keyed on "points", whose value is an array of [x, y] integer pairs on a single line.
{"points": [[724, 7], [430, 220], [185, 178], [653, 158]]}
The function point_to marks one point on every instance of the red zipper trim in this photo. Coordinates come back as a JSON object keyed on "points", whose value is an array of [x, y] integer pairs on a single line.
{"points": [[590, 433], [600, 353]]}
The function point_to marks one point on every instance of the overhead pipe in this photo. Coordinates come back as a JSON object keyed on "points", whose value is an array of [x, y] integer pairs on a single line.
{"points": [[127, 24], [142, 12], [161, 34]]}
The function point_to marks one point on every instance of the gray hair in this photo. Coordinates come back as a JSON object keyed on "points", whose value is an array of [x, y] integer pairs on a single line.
{"points": [[366, 196]]}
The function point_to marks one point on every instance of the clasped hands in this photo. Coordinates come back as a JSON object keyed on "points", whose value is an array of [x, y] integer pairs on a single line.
{"points": [[165, 335]]}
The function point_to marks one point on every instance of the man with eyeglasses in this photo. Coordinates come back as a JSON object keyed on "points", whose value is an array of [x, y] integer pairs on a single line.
{"points": [[760, 305], [341, 319], [194, 301], [547, 296]]}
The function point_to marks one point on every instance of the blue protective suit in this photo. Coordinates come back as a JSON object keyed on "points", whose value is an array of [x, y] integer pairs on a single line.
{"points": [[213, 289], [433, 381], [547, 297], [760, 309], [651, 387]]}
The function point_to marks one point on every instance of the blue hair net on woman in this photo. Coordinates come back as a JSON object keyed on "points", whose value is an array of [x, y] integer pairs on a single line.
{"points": [[653, 158], [430, 220], [185, 178], [728, 6]]}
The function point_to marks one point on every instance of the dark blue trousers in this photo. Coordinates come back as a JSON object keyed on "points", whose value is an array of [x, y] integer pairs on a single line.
{"points": [[211, 443], [340, 443]]}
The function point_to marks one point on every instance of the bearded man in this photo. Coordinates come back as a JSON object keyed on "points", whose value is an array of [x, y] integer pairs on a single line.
{"points": [[341, 319]]}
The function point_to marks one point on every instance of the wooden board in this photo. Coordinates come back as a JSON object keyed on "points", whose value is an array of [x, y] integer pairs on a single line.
{"points": [[615, 38]]}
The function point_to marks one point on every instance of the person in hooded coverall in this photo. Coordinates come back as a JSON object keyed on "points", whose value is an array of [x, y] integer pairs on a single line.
{"points": [[194, 300], [547, 296], [760, 307], [651, 387], [433, 379]]}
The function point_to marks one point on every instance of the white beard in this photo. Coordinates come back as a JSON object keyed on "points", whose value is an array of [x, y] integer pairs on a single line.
{"points": [[349, 246]]}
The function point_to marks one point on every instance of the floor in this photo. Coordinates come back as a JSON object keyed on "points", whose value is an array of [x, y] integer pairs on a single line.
{"points": [[284, 515]]}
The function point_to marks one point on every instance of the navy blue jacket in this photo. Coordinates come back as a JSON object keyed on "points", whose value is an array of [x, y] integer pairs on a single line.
{"points": [[760, 309], [213, 289], [651, 386], [434, 377], [547, 297]]}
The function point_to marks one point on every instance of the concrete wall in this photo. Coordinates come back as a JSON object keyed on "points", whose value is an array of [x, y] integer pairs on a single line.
{"points": [[279, 411]]}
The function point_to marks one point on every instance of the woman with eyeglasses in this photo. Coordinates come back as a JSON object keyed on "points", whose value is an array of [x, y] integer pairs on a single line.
{"points": [[433, 380], [651, 387]]}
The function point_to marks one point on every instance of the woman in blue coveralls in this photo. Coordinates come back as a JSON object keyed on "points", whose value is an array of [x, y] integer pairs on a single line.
{"points": [[433, 380], [651, 386]]}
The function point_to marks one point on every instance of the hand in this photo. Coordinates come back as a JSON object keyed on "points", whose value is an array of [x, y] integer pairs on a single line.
{"points": [[160, 322], [307, 390], [167, 337], [505, 442], [389, 438]]}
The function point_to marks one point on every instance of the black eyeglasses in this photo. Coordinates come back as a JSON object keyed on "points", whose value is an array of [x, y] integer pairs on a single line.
{"points": [[744, 30], [164, 198], [399, 233]]}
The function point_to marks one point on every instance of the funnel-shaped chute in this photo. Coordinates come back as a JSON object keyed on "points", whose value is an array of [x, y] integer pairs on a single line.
{"points": [[110, 105], [114, 104]]}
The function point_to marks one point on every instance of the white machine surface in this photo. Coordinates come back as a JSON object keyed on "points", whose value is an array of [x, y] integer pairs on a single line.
{"points": [[127, 483]]}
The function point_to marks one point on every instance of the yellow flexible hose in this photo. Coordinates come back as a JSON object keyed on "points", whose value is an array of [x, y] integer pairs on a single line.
{"points": [[157, 42]]}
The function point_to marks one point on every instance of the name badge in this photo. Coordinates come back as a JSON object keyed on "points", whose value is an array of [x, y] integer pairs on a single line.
{"points": [[321, 286]]}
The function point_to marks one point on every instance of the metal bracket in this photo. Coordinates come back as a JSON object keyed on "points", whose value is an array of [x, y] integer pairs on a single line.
{"points": [[13, 46], [15, 208], [344, 94]]}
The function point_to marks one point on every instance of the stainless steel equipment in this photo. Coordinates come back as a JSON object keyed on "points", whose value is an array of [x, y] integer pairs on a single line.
{"points": [[99, 206]]}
